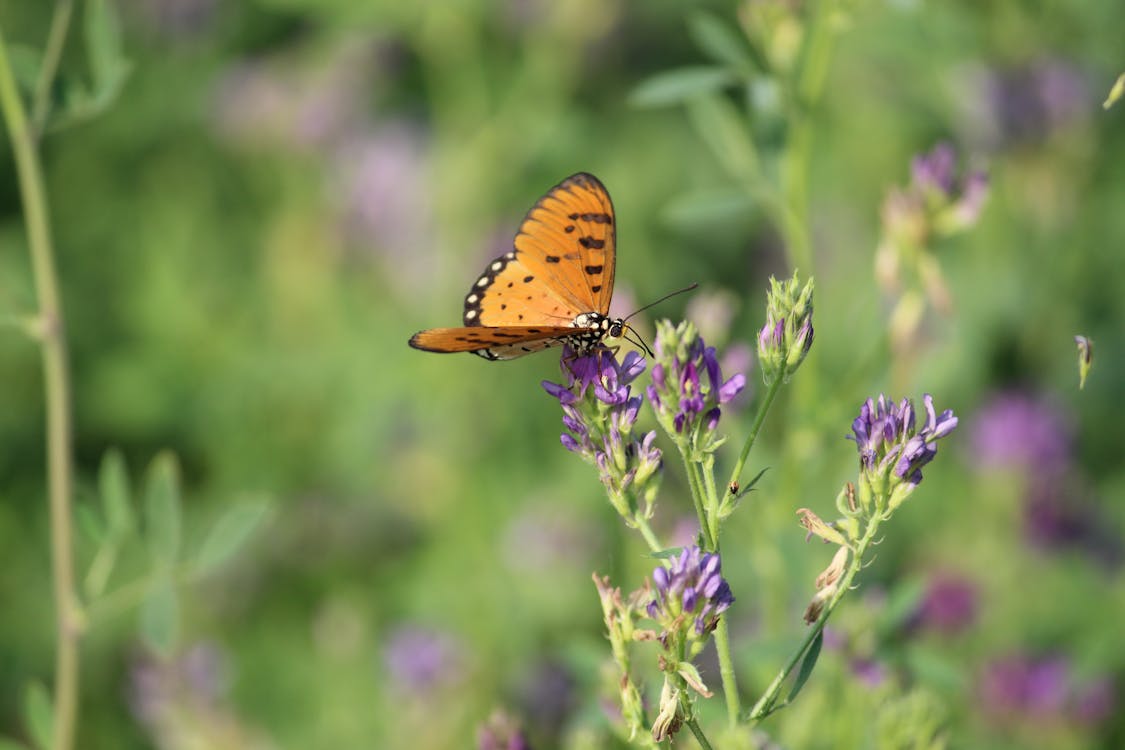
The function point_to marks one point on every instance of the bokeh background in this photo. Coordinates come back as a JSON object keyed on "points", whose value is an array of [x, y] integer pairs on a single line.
{"points": [[285, 190]]}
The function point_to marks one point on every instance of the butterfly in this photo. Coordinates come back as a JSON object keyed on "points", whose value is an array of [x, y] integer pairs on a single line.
{"points": [[553, 288]]}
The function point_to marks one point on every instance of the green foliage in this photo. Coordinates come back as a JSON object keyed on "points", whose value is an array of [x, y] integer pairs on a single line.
{"points": [[274, 196]]}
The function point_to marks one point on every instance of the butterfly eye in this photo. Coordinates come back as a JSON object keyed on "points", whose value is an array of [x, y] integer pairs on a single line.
{"points": [[615, 329]]}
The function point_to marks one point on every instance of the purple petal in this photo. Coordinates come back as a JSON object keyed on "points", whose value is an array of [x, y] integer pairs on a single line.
{"points": [[731, 388], [562, 393]]}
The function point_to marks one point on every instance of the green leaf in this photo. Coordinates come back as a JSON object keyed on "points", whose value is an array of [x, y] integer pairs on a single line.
{"points": [[726, 133], [720, 42], [229, 533], [91, 524], [117, 504], [160, 616], [162, 509], [679, 85], [707, 208], [1116, 92], [807, 665], [39, 714], [105, 50], [667, 554], [26, 62]]}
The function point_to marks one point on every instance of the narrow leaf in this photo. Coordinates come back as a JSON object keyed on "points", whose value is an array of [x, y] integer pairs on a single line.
{"points": [[1116, 92], [727, 134], [117, 504], [160, 616], [707, 208], [91, 524], [807, 665], [39, 714], [667, 554], [229, 533], [718, 40], [104, 44], [162, 509], [679, 84]]}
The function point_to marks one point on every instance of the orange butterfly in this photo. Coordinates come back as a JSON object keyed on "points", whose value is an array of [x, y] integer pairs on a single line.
{"points": [[554, 288]]}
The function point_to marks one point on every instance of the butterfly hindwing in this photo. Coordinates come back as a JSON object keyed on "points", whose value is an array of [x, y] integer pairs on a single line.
{"points": [[492, 342]]}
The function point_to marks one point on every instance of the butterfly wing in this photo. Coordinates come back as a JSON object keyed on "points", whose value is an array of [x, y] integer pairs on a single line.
{"points": [[562, 265], [492, 342]]}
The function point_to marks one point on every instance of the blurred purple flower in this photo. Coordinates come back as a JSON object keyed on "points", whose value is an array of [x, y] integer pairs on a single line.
{"points": [[1044, 689], [419, 659], [869, 671], [692, 585], [501, 732], [1022, 432], [548, 697], [198, 676], [949, 605], [1027, 103]]}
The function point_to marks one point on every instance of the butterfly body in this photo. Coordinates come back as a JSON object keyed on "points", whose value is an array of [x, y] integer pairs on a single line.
{"points": [[553, 288]]}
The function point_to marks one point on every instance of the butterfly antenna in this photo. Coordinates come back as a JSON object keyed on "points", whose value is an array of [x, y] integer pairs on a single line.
{"points": [[638, 340], [687, 288]]}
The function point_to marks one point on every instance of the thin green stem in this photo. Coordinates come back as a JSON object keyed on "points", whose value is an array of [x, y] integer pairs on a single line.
{"points": [[56, 40], [701, 738], [57, 397], [726, 671], [697, 499], [759, 419], [766, 703], [646, 531]]}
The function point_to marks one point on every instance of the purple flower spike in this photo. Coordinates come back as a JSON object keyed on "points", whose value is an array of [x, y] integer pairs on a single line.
{"points": [[599, 414], [886, 435], [687, 384], [691, 589]]}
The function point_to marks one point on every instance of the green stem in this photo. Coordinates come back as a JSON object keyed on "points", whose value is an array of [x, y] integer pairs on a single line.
{"points": [[726, 671], [57, 397], [765, 704], [701, 738], [56, 40], [759, 418], [697, 499], [646, 531]]}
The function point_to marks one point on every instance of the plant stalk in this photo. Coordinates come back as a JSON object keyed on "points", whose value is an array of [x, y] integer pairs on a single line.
{"points": [[52, 342]]}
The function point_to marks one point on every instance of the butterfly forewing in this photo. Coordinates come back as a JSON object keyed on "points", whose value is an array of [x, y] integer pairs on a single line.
{"points": [[569, 239], [528, 299]]}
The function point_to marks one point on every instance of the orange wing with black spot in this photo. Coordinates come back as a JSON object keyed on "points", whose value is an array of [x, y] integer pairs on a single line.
{"points": [[530, 299]]}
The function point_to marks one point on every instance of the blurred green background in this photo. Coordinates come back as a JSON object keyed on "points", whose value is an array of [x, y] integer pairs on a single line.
{"points": [[285, 190]]}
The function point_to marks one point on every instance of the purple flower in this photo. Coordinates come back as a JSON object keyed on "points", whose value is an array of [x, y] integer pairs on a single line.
{"points": [[420, 659], [1043, 689], [599, 414], [787, 336], [501, 732], [949, 605], [885, 435], [693, 586], [687, 381], [933, 172], [1020, 431], [1026, 103]]}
